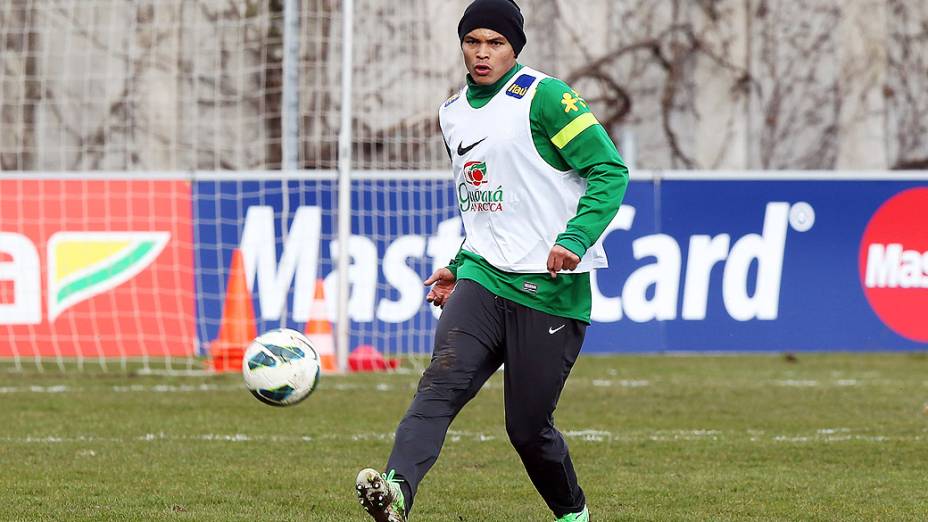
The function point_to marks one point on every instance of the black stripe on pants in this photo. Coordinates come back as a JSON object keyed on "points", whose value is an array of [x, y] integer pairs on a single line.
{"points": [[476, 333]]}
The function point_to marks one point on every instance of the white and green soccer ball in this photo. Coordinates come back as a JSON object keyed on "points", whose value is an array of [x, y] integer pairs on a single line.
{"points": [[281, 367]]}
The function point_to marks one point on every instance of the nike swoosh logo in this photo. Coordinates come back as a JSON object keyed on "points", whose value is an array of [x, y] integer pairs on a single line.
{"points": [[553, 331], [464, 150]]}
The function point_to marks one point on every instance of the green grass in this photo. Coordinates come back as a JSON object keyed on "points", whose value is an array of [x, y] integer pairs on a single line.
{"points": [[830, 437]]}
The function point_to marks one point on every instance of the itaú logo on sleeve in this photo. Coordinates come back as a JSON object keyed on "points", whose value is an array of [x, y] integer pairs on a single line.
{"points": [[894, 263]]}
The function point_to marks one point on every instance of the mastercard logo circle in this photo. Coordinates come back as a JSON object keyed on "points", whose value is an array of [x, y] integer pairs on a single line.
{"points": [[893, 263]]}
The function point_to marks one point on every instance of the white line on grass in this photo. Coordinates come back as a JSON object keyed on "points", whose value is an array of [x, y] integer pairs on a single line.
{"points": [[385, 386], [796, 383], [847, 382], [824, 435], [625, 383], [832, 431], [171, 388], [35, 389], [843, 438], [590, 435]]}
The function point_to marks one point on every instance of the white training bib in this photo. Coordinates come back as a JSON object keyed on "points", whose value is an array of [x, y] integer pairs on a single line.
{"points": [[513, 204]]}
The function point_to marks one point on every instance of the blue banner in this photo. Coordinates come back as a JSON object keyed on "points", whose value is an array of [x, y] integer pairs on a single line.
{"points": [[694, 265]]}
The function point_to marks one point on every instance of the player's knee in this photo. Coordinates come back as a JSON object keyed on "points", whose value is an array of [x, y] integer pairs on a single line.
{"points": [[439, 397], [428, 406], [443, 374], [526, 436], [443, 388]]}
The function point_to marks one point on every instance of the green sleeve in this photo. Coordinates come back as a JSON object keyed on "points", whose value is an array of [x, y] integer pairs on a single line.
{"points": [[567, 136], [456, 262]]}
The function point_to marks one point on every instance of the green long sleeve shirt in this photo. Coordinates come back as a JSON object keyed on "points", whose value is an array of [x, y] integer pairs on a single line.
{"points": [[566, 136]]}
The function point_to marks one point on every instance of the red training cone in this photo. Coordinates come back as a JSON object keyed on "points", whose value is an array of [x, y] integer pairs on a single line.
{"points": [[366, 358], [237, 329]]}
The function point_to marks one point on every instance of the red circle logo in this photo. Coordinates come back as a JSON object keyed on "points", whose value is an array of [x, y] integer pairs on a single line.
{"points": [[893, 263], [475, 173]]}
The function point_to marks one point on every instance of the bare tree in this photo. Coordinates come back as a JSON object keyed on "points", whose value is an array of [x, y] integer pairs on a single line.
{"points": [[799, 93], [906, 89], [19, 86], [197, 84]]}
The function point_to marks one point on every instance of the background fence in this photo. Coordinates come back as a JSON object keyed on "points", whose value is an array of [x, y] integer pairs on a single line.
{"points": [[198, 84], [151, 134]]}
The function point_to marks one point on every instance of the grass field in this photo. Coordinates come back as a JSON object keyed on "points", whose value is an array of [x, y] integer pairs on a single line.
{"points": [[828, 437]]}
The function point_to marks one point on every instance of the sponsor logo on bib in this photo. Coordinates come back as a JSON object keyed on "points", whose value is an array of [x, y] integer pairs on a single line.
{"points": [[452, 99], [519, 88], [471, 195], [475, 172]]}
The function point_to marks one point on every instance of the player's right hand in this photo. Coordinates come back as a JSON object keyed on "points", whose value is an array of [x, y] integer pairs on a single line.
{"points": [[442, 282]]}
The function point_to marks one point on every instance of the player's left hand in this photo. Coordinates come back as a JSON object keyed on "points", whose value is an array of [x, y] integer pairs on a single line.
{"points": [[442, 282], [561, 259]]}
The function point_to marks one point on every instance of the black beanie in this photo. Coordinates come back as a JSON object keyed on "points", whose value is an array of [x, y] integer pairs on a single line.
{"points": [[502, 16]]}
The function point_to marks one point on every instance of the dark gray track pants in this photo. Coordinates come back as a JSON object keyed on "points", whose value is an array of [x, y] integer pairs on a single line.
{"points": [[476, 333]]}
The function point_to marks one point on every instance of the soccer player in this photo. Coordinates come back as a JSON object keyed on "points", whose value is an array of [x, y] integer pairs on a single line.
{"points": [[537, 180]]}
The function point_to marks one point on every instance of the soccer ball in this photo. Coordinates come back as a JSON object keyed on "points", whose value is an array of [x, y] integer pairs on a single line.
{"points": [[281, 367]]}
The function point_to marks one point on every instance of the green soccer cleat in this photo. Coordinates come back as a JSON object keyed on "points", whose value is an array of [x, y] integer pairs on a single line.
{"points": [[583, 516], [381, 496]]}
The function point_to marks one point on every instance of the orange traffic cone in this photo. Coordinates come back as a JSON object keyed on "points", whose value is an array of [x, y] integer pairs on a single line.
{"points": [[237, 328], [319, 331]]}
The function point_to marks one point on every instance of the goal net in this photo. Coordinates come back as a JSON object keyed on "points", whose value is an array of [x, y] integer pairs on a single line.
{"points": [[144, 186]]}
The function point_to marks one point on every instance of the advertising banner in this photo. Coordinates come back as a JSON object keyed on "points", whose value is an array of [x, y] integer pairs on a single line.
{"points": [[141, 268], [769, 266], [701, 265], [95, 268], [402, 230]]}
